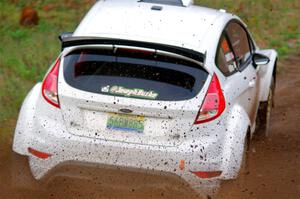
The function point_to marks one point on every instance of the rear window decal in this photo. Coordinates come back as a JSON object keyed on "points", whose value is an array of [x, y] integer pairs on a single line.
{"points": [[229, 56], [128, 92], [225, 46]]}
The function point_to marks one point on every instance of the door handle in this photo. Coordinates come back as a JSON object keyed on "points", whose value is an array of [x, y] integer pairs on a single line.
{"points": [[252, 83]]}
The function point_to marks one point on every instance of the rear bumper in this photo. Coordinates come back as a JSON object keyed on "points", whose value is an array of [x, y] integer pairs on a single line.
{"points": [[123, 167], [73, 150], [50, 136], [37, 129], [105, 177]]}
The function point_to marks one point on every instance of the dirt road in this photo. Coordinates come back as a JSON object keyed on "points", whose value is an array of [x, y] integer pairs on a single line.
{"points": [[274, 165]]}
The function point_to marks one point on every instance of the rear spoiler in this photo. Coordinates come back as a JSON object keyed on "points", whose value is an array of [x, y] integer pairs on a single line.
{"points": [[79, 41]]}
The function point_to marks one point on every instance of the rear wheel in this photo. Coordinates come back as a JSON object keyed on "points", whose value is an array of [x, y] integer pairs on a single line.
{"points": [[243, 172], [264, 113]]}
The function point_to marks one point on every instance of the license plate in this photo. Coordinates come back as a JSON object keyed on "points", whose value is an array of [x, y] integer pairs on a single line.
{"points": [[127, 123]]}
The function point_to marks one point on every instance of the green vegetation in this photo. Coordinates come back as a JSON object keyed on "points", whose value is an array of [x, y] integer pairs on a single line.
{"points": [[26, 53]]}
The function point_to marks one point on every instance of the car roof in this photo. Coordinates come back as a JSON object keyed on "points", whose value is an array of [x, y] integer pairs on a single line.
{"points": [[184, 26]]}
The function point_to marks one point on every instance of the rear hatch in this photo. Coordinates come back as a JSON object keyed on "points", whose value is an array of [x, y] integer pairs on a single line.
{"points": [[129, 94]]}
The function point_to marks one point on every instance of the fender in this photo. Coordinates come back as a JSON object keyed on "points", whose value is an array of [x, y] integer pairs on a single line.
{"points": [[25, 123], [237, 128], [265, 73]]}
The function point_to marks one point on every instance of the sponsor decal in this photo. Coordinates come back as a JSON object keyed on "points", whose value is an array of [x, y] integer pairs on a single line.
{"points": [[225, 46], [229, 56], [129, 92]]}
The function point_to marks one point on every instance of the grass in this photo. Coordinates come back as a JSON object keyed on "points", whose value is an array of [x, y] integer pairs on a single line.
{"points": [[26, 53]]}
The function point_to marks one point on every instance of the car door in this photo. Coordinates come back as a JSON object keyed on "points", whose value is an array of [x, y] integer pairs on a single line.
{"points": [[234, 60]]}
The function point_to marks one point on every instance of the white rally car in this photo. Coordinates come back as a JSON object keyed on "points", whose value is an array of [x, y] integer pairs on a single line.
{"points": [[154, 86]]}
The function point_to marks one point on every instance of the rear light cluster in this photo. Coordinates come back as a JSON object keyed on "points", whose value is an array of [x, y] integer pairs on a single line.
{"points": [[212, 107], [207, 174], [213, 104], [39, 154], [50, 84]]}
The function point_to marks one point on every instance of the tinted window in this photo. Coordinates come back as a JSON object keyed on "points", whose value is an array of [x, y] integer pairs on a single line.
{"points": [[225, 57], [133, 74], [239, 41]]}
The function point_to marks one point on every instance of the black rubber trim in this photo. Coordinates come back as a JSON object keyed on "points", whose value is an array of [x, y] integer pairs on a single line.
{"points": [[79, 41]]}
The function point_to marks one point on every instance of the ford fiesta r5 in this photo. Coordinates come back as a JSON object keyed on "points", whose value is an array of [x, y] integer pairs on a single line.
{"points": [[179, 90]]}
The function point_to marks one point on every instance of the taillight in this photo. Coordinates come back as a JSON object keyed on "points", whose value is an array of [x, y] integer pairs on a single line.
{"points": [[39, 154], [50, 83], [213, 104], [207, 174]]}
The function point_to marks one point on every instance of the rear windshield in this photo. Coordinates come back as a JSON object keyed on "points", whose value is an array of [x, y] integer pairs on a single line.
{"points": [[134, 74]]}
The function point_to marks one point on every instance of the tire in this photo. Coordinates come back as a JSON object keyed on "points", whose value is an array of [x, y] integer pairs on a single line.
{"points": [[243, 172], [264, 114], [20, 174]]}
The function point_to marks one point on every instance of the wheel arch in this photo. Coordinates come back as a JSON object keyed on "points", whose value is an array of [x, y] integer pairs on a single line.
{"points": [[25, 123], [239, 130]]}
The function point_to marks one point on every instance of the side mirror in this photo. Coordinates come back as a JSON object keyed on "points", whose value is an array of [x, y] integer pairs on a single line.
{"points": [[260, 59], [64, 35]]}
